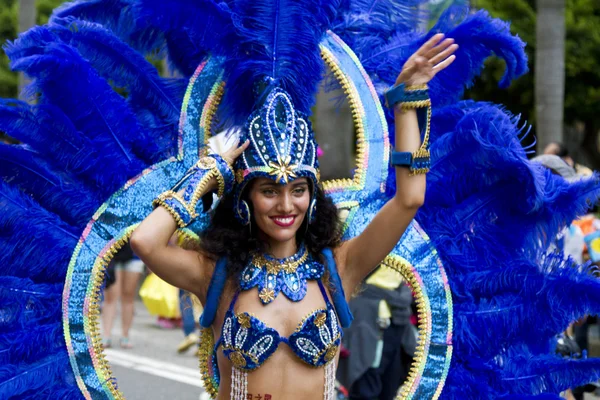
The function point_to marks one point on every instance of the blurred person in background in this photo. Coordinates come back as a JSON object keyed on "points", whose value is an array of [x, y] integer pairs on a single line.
{"points": [[128, 271], [560, 150], [381, 341]]}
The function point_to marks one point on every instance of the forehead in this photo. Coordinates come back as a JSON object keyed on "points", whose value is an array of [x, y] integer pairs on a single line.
{"points": [[258, 182]]}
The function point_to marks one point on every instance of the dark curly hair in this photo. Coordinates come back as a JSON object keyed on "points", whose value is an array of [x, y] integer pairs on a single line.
{"points": [[226, 237]]}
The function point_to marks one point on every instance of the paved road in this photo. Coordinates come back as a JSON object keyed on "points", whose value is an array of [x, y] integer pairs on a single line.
{"points": [[153, 370]]}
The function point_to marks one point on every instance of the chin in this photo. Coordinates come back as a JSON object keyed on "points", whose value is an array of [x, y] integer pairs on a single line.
{"points": [[282, 235]]}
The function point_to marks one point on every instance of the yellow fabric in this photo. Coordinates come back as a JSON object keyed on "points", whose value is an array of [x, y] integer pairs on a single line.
{"points": [[385, 278], [159, 297], [385, 312]]}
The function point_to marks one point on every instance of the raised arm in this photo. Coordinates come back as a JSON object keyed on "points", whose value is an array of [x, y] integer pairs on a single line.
{"points": [[185, 269], [359, 256]]}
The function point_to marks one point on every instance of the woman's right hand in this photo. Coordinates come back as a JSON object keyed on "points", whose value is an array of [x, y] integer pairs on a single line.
{"points": [[231, 154]]}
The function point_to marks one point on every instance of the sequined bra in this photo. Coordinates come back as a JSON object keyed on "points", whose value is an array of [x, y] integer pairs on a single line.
{"points": [[248, 342]]}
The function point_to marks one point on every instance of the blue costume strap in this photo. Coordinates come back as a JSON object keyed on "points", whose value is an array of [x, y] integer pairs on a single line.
{"points": [[401, 159], [324, 292], [215, 289], [338, 296]]}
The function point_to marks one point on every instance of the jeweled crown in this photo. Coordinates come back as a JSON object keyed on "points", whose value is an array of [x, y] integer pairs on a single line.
{"points": [[282, 146]]}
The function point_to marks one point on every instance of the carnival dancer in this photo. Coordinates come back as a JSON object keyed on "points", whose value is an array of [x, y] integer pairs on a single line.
{"points": [[272, 250]]}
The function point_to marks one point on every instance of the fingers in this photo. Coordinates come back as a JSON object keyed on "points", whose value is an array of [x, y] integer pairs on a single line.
{"points": [[442, 46], [444, 54], [444, 64], [239, 150], [430, 44]]}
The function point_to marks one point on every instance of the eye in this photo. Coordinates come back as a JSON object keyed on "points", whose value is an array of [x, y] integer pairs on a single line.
{"points": [[269, 192], [299, 191]]}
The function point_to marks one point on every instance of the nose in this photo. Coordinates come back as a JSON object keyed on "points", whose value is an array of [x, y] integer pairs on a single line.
{"points": [[286, 205]]}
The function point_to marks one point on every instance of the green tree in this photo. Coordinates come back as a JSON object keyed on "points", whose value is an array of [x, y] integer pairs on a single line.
{"points": [[8, 31], [582, 75]]}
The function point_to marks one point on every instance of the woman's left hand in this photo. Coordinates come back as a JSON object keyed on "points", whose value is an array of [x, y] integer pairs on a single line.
{"points": [[434, 56]]}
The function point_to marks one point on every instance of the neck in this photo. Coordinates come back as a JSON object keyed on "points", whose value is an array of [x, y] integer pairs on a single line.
{"points": [[282, 249]]}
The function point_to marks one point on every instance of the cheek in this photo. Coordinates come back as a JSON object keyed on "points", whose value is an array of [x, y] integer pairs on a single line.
{"points": [[302, 203], [261, 205]]}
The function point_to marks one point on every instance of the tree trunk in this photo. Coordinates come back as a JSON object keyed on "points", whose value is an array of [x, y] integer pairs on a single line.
{"points": [[27, 17], [550, 71]]}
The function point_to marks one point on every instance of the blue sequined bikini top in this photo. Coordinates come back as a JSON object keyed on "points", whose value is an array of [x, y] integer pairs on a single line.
{"points": [[248, 342]]}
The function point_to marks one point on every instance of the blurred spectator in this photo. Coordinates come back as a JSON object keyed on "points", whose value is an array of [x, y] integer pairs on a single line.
{"points": [[560, 150], [128, 271], [186, 306], [381, 341]]}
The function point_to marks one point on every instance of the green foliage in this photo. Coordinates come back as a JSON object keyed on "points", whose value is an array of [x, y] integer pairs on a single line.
{"points": [[582, 97], [8, 31]]}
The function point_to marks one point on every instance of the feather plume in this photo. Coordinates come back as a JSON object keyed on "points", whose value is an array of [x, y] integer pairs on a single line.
{"points": [[68, 82], [57, 192], [34, 243], [146, 33], [118, 16], [119, 63], [51, 374], [277, 39], [479, 37]]}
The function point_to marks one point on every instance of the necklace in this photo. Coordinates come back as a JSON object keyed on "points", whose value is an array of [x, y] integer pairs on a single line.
{"points": [[288, 275]]}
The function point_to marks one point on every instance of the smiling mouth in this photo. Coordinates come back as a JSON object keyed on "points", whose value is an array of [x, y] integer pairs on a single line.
{"points": [[284, 221]]}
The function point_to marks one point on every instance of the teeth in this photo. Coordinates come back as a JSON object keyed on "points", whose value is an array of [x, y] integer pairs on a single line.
{"points": [[284, 221]]}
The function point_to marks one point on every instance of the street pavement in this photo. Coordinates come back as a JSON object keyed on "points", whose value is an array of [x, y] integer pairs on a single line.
{"points": [[153, 370]]}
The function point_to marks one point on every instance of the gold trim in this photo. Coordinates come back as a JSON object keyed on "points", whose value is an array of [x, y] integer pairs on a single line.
{"points": [[404, 268], [356, 182], [212, 111], [104, 370], [274, 267], [205, 352]]}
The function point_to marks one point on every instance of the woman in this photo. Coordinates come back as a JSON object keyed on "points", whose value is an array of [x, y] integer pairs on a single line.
{"points": [[279, 230]]}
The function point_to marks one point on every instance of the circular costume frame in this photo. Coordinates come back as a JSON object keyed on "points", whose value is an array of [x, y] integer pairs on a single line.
{"points": [[110, 228]]}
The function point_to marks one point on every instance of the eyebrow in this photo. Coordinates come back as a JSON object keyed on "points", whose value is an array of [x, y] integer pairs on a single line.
{"points": [[302, 183], [268, 184], [274, 184]]}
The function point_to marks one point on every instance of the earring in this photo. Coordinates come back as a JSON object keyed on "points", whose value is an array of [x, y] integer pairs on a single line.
{"points": [[312, 211], [244, 212]]}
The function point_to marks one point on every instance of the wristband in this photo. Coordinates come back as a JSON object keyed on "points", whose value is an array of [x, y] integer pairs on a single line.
{"points": [[183, 199], [413, 98]]}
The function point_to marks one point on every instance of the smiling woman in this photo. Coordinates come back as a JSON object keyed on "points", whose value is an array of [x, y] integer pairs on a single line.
{"points": [[279, 211], [275, 266], [277, 199]]}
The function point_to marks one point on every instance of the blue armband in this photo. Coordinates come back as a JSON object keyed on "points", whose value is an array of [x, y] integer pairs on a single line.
{"points": [[413, 98]]}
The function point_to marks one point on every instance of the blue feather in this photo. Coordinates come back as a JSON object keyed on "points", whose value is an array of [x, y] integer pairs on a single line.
{"points": [[34, 243], [119, 17], [69, 83], [57, 192], [479, 36], [139, 31], [119, 63], [50, 375], [277, 39]]}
